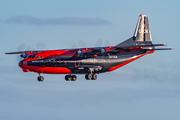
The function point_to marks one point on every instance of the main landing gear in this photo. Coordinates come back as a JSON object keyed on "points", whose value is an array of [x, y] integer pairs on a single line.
{"points": [[91, 76], [70, 77], [40, 78], [87, 76]]}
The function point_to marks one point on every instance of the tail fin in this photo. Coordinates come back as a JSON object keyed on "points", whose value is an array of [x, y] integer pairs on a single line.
{"points": [[142, 34]]}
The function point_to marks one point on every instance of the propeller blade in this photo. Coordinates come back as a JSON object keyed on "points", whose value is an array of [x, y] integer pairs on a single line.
{"points": [[99, 43]]}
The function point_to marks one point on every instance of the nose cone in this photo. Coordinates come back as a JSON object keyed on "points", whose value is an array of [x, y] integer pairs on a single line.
{"points": [[21, 64]]}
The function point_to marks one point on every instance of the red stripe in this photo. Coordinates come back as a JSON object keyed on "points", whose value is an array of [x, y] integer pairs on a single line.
{"points": [[49, 70]]}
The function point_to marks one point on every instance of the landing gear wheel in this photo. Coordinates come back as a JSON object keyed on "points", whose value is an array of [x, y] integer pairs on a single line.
{"points": [[69, 78], [91, 76], [88, 76], [94, 77], [73, 78], [40, 78], [66, 77]]}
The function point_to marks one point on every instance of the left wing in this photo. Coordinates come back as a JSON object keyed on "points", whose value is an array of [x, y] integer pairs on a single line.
{"points": [[20, 52], [99, 51]]}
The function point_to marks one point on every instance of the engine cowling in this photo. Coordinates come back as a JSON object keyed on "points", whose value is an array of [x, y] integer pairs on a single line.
{"points": [[102, 50], [23, 55], [79, 52]]}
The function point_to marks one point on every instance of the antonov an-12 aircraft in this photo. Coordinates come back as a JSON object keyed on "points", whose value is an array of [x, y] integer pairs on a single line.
{"points": [[90, 61]]}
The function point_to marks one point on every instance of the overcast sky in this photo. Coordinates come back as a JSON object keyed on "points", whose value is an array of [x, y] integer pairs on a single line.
{"points": [[146, 89]]}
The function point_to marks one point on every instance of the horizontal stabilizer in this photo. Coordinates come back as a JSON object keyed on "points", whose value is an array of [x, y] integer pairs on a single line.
{"points": [[134, 46], [160, 49]]}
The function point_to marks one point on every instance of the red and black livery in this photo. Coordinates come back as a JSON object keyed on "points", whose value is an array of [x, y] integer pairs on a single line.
{"points": [[90, 61]]}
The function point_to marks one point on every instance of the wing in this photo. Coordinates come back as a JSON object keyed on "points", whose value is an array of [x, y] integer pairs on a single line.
{"points": [[20, 52], [24, 54], [99, 51]]}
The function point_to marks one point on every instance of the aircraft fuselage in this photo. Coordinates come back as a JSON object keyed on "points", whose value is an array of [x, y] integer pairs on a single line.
{"points": [[78, 65]]}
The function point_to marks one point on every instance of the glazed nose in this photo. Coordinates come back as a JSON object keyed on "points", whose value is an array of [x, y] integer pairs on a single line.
{"points": [[21, 64]]}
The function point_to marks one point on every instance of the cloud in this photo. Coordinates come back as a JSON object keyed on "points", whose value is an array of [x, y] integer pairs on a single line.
{"points": [[56, 21]]}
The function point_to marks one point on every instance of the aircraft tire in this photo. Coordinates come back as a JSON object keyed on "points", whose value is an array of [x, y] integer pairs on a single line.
{"points": [[86, 76], [40, 78], [69, 77], [89, 76], [94, 77], [66, 77], [73, 77]]}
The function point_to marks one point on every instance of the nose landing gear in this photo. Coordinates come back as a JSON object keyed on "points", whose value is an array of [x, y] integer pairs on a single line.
{"points": [[40, 78]]}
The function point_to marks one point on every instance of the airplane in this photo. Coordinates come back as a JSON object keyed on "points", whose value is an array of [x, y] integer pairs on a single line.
{"points": [[90, 61]]}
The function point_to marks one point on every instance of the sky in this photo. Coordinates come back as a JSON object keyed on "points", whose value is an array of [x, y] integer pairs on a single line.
{"points": [[146, 89]]}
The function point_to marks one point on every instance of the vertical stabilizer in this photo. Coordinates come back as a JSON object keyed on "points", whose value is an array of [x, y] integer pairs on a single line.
{"points": [[142, 32]]}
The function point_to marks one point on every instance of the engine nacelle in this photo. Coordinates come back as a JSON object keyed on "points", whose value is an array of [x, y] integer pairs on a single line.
{"points": [[23, 55], [102, 50], [79, 52]]}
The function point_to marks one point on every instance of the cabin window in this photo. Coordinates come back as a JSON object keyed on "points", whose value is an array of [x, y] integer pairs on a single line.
{"points": [[38, 57], [31, 56], [35, 57]]}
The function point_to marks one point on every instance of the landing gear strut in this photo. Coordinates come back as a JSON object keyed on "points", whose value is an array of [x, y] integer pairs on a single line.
{"points": [[70, 77], [40, 78], [91, 76]]}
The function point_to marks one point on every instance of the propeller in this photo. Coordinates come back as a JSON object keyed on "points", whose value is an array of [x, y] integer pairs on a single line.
{"points": [[74, 45], [23, 47], [81, 44], [40, 46], [107, 43], [99, 43], [102, 43]]}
